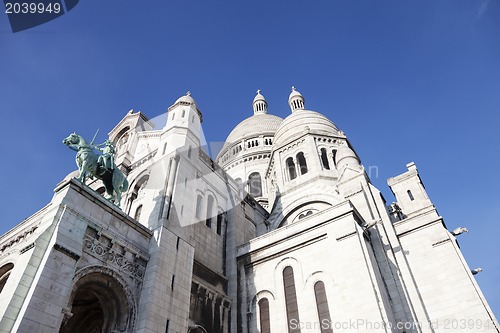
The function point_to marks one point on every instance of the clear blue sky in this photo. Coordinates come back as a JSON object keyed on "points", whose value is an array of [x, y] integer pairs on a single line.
{"points": [[405, 80]]}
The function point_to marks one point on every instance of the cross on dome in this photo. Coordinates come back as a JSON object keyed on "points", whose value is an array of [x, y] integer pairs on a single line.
{"points": [[188, 93]]}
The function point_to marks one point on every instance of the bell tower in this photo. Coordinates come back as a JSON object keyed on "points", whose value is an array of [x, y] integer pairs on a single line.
{"points": [[183, 127]]}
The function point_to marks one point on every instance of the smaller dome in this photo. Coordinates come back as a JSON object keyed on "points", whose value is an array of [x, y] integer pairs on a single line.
{"points": [[294, 93], [259, 97], [186, 99], [301, 121], [345, 156]]}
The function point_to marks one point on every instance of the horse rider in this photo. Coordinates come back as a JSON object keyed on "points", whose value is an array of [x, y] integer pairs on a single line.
{"points": [[107, 159]]}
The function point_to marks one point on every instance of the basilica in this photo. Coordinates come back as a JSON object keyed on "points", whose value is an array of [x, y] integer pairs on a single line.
{"points": [[282, 232]]}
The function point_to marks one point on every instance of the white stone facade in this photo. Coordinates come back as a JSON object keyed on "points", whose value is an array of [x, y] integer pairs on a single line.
{"points": [[283, 232]]}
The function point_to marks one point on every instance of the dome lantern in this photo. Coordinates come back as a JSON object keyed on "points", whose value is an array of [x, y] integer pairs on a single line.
{"points": [[296, 100], [259, 104]]}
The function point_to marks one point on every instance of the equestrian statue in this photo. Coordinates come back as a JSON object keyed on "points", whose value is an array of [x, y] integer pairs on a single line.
{"points": [[100, 165]]}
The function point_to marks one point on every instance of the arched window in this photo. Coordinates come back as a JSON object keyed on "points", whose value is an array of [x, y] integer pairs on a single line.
{"points": [[138, 211], [138, 191], [410, 195], [322, 306], [131, 199], [121, 140], [255, 184], [4, 274], [292, 310], [219, 223], [198, 206], [290, 165], [183, 113], [324, 159], [302, 163], [210, 203], [265, 324]]}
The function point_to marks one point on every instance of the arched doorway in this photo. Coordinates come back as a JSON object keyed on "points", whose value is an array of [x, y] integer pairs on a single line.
{"points": [[99, 303]]}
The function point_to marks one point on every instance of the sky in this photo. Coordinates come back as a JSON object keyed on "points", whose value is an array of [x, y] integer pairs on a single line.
{"points": [[405, 80]]}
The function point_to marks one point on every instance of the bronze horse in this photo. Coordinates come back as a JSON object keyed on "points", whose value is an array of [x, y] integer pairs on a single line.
{"points": [[87, 161]]}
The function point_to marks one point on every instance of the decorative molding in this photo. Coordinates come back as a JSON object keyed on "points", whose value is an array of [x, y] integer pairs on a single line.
{"points": [[149, 134], [102, 252], [14, 240], [143, 159], [292, 145]]}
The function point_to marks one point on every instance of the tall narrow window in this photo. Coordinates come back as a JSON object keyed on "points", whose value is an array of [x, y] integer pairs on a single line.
{"points": [[265, 324], [322, 307], [410, 195], [210, 203], [183, 113], [198, 206], [255, 184], [302, 163], [290, 165], [324, 159], [219, 223], [334, 154], [292, 310], [138, 211], [189, 152]]}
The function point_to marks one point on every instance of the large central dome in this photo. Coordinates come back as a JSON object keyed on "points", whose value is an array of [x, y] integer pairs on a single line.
{"points": [[253, 135], [255, 125]]}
